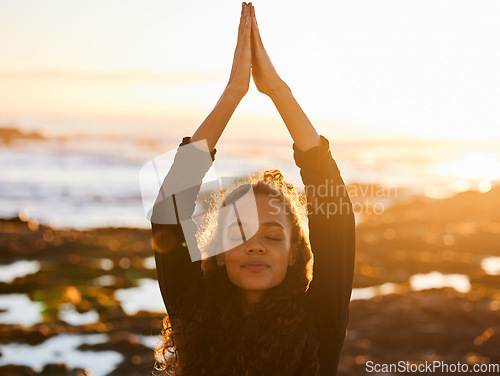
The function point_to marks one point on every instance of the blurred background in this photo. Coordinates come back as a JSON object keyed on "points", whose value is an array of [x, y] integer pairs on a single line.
{"points": [[406, 92]]}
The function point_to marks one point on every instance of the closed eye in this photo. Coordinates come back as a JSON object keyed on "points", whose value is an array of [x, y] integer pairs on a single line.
{"points": [[272, 238]]}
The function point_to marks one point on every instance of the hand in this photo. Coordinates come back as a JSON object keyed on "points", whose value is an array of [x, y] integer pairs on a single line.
{"points": [[264, 75], [239, 79]]}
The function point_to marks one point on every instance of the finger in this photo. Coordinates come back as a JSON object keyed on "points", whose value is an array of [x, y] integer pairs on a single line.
{"points": [[248, 29], [241, 29], [255, 23], [256, 33], [246, 45], [243, 53], [241, 26], [253, 14]]}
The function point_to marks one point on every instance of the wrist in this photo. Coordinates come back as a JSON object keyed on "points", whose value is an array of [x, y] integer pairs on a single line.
{"points": [[233, 94], [280, 91]]}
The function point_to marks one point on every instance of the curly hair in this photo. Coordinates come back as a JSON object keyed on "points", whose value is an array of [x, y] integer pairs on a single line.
{"points": [[210, 336]]}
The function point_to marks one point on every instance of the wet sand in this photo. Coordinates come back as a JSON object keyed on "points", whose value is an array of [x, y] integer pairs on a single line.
{"points": [[450, 236]]}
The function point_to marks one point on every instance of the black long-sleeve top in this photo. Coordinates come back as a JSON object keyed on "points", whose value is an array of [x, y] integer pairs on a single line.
{"points": [[331, 235]]}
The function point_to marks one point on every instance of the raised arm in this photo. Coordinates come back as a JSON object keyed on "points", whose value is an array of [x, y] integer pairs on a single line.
{"points": [[270, 83], [331, 216], [239, 81], [177, 274]]}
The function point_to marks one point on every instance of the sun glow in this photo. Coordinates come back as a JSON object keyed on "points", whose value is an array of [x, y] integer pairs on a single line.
{"points": [[473, 166]]}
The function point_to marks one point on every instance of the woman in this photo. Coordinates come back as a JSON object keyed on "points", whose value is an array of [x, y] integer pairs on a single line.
{"points": [[251, 308]]}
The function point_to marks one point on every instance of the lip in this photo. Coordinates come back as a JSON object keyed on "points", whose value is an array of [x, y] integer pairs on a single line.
{"points": [[255, 265]]}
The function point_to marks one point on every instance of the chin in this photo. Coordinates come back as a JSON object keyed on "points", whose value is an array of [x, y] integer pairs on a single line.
{"points": [[254, 285]]}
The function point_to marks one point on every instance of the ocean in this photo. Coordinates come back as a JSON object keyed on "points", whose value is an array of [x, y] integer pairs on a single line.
{"points": [[86, 174]]}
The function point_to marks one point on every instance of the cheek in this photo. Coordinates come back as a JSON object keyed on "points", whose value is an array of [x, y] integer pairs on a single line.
{"points": [[283, 261], [233, 267], [231, 242], [280, 255], [229, 245], [232, 257]]}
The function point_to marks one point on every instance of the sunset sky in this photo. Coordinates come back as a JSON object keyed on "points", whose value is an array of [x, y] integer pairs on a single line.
{"points": [[364, 68]]}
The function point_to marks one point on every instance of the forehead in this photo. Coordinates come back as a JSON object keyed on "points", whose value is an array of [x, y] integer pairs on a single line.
{"points": [[270, 209], [264, 209]]}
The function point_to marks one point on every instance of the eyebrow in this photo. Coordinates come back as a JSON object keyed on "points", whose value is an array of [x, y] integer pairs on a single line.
{"points": [[272, 223]]}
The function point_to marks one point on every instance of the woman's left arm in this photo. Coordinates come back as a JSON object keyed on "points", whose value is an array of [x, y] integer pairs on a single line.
{"points": [[270, 83], [330, 214], [331, 234]]}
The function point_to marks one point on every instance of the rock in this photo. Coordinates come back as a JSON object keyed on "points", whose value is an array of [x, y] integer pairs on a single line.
{"points": [[7, 135]]}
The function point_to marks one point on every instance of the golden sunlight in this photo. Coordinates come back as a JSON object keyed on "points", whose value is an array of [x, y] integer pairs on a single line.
{"points": [[473, 166]]}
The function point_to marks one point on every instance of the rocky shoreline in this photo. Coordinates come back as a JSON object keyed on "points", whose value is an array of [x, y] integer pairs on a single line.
{"points": [[84, 269], [9, 135]]}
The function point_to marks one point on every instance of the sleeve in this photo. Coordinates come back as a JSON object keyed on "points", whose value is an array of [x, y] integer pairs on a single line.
{"points": [[176, 271], [331, 235]]}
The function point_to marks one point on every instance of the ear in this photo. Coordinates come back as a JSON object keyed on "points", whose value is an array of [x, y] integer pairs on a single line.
{"points": [[221, 259]]}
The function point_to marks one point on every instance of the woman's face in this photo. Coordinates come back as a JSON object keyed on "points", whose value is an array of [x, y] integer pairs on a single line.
{"points": [[260, 262]]}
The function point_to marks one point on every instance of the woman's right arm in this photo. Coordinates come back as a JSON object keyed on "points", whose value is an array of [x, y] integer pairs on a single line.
{"points": [[239, 82], [177, 273]]}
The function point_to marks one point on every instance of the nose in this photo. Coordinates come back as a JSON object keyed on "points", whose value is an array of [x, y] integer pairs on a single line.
{"points": [[254, 246]]}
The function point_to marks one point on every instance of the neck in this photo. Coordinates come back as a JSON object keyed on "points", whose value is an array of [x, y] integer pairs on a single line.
{"points": [[249, 298]]}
